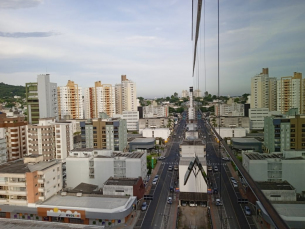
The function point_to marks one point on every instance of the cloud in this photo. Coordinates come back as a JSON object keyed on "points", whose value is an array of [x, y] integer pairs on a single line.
{"points": [[26, 35], [17, 4]]}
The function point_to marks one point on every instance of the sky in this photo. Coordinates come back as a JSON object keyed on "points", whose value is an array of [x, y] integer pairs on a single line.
{"points": [[150, 42]]}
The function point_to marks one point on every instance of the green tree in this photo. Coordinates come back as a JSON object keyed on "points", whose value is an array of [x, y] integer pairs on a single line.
{"points": [[236, 100]]}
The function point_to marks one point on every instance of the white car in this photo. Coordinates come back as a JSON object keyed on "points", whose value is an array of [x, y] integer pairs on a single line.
{"points": [[161, 158], [155, 181], [169, 200], [218, 202], [235, 185], [226, 159]]}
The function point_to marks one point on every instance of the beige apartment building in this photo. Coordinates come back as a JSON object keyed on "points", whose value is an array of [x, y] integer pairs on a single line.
{"points": [[15, 128], [50, 139], [29, 180], [70, 101], [263, 91], [289, 93], [100, 98], [125, 96]]}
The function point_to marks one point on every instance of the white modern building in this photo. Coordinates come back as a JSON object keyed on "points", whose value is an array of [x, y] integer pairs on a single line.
{"points": [[95, 166], [132, 119], [156, 133], [125, 96], [257, 116], [231, 132], [288, 165], [47, 96], [184, 94], [100, 98], [191, 109], [233, 109], [63, 139], [158, 111]]}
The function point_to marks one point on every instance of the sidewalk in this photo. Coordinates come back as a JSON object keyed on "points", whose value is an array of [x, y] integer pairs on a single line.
{"points": [[131, 222], [214, 212]]}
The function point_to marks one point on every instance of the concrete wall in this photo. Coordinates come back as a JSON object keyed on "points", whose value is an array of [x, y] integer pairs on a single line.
{"points": [[280, 195], [118, 190]]}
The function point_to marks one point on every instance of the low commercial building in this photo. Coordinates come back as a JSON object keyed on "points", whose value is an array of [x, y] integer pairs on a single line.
{"points": [[278, 191], [95, 166], [141, 144], [233, 122], [277, 167], [124, 187], [192, 148], [231, 132], [247, 144], [156, 133], [157, 111], [152, 123]]}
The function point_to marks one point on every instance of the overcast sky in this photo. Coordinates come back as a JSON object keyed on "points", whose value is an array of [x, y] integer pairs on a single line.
{"points": [[149, 41]]}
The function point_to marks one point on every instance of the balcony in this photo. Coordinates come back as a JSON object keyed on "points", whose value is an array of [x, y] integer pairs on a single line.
{"points": [[18, 202], [17, 192], [41, 189], [4, 201], [3, 192], [16, 183], [41, 180]]}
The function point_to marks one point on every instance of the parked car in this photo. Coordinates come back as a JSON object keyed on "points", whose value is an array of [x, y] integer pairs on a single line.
{"points": [[234, 183], [170, 168], [171, 189], [218, 202], [226, 159], [210, 168], [215, 191], [161, 158], [157, 176], [215, 168], [169, 200], [247, 210], [144, 206], [176, 168], [193, 204], [232, 179]]}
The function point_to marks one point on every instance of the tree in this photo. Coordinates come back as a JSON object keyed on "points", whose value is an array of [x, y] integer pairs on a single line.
{"points": [[206, 94], [236, 100], [176, 94]]}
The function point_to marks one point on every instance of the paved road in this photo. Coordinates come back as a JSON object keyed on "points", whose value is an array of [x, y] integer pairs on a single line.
{"points": [[233, 212], [158, 211]]}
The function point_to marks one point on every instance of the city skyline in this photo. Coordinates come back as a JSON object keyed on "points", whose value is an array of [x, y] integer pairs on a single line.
{"points": [[149, 42]]}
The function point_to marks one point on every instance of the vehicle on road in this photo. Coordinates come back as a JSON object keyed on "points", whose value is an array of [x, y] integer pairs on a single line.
{"points": [[215, 191], [232, 179], [144, 206], [226, 159], [176, 168], [171, 189], [247, 210], [161, 158], [215, 168], [170, 168], [234, 183], [169, 200], [155, 181], [210, 168], [157, 176], [218, 202]]}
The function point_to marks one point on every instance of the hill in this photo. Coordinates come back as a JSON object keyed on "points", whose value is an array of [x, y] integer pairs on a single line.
{"points": [[9, 91]]}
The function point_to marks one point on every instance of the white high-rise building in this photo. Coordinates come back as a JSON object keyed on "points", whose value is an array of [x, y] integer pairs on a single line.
{"points": [[191, 110], [70, 102], [184, 94], [263, 91], [100, 98], [47, 96], [125, 96]]}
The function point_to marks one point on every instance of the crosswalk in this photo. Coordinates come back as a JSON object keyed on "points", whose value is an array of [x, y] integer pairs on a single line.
{"points": [[170, 163]]}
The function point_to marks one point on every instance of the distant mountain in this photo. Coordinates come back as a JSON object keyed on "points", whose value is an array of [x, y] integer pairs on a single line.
{"points": [[11, 90]]}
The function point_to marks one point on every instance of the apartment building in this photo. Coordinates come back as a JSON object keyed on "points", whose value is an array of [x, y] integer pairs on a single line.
{"points": [[70, 101], [257, 116], [41, 99], [184, 94], [233, 109], [15, 128], [50, 139], [100, 98], [3, 148], [125, 96], [263, 91], [104, 134], [233, 122], [289, 93], [197, 93], [157, 111], [132, 120], [29, 180], [95, 166], [153, 123]]}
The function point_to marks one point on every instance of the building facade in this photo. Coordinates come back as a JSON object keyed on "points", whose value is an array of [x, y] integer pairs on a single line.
{"points": [[158, 111], [3, 158], [95, 166], [70, 101], [15, 128]]}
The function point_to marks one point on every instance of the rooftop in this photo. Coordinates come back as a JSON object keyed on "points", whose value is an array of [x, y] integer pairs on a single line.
{"points": [[121, 181], [284, 185], [186, 160], [143, 140], [129, 155], [86, 201], [84, 188], [260, 156], [245, 140], [84, 149]]}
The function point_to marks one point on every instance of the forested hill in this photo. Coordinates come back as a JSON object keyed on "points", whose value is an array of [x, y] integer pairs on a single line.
{"points": [[11, 90]]}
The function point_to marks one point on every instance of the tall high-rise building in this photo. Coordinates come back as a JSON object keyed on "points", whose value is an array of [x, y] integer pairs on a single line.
{"points": [[100, 98], [15, 128], [125, 96], [289, 93], [41, 98], [263, 91], [70, 101]]}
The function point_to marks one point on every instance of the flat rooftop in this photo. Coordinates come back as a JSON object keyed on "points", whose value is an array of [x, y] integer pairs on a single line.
{"points": [[192, 142], [121, 181], [85, 201], [245, 140], [84, 188], [275, 185], [290, 211], [261, 156], [129, 155], [143, 140], [84, 149], [186, 160]]}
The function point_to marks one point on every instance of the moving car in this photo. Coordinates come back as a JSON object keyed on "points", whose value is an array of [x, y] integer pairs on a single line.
{"points": [[215, 191], [171, 189], [155, 180], [210, 168], [247, 210], [232, 179], [215, 168], [169, 200], [176, 168], [170, 168], [218, 202], [226, 159], [161, 158], [144, 206], [234, 183]]}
